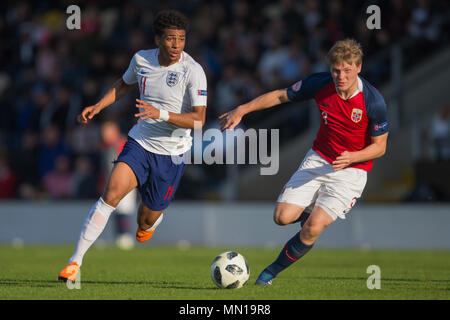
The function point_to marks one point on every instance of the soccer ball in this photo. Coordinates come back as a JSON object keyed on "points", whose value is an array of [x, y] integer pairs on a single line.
{"points": [[230, 270]]}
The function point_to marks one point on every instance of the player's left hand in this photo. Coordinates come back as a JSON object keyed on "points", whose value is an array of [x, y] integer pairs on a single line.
{"points": [[343, 161], [149, 110], [229, 120]]}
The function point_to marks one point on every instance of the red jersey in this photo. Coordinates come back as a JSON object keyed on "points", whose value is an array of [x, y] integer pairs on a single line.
{"points": [[347, 125]]}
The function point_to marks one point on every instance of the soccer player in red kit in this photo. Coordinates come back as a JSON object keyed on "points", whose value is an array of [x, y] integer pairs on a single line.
{"points": [[332, 176]]}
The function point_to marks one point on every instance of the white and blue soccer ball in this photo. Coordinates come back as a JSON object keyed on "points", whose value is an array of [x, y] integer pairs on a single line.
{"points": [[229, 270]]}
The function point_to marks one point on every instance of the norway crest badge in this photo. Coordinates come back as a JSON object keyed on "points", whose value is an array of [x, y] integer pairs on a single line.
{"points": [[356, 115], [172, 78]]}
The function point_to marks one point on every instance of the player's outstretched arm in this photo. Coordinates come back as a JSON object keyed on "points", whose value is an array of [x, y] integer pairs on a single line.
{"points": [[117, 91], [231, 119]]}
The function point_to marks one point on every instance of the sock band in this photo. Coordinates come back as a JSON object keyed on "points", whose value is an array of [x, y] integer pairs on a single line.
{"points": [[296, 247], [286, 252], [104, 207], [293, 250]]}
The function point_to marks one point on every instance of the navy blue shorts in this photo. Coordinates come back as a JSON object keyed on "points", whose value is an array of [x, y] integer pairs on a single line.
{"points": [[158, 176]]}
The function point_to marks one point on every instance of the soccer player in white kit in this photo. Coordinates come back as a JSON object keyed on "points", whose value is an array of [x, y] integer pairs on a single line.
{"points": [[173, 97]]}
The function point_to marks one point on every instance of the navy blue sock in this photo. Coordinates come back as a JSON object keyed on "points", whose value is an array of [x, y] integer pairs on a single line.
{"points": [[293, 250]]}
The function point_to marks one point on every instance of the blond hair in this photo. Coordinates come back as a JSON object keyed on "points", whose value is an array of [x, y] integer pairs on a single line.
{"points": [[348, 50]]}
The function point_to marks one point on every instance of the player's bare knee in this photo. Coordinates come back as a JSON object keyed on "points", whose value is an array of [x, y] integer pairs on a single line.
{"points": [[284, 215], [280, 218], [112, 196], [308, 235], [312, 229]]}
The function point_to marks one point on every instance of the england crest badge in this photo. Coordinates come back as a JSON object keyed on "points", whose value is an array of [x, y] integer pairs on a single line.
{"points": [[172, 78], [356, 115]]}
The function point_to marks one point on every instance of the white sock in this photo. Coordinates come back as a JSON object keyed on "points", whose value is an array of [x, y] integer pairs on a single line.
{"points": [[92, 228], [157, 222]]}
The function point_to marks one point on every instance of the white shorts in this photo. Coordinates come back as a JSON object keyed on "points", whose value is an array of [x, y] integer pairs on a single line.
{"points": [[316, 183]]}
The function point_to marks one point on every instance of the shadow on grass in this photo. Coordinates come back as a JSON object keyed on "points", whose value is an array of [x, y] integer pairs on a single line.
{"points": [[55, 283]]}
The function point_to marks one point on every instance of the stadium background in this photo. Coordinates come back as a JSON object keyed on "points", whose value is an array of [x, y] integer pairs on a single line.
{"points": [[52, 169]]}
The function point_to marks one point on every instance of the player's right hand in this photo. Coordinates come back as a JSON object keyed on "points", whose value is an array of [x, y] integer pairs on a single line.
{"points": [[229, 120], [88, 113]]}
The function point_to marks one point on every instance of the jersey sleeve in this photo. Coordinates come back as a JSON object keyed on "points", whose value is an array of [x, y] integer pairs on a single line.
{"points": [[129, 77], [307, 88], [376, 112], [197, 87], [378, 119]]}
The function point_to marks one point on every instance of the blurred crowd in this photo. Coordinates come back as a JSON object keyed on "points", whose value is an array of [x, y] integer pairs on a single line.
{"points": [[49, 73], [433, 162]]}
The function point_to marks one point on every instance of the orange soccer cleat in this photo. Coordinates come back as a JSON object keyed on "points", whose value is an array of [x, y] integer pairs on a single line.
{"points": [[69, 272], [142, 235]]}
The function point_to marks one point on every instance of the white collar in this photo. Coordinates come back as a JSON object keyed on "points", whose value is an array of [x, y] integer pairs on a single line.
{"points": [[360, 88], [157, 59]]}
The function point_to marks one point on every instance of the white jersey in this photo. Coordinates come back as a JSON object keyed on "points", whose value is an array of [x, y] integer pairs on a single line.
{"points": [[176, 88]]}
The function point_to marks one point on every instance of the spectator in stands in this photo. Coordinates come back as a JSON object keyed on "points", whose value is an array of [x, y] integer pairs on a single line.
{"points": [[84, 182], [57, 183], [8, 178], [51, 148], [26, 157], [48, 72], [440, 131]]}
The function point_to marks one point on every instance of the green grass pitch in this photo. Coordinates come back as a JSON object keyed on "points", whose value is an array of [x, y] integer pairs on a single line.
{"points": [[167, 272]]}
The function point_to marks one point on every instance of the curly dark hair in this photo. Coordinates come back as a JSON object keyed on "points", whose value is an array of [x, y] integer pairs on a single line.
{"points": [[170, 19]]}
